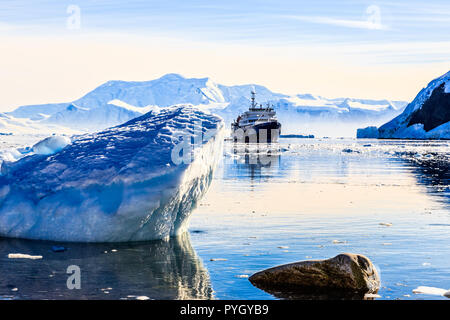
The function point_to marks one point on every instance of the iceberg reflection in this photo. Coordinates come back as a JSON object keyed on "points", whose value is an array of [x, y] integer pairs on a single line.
{"points": [[157, 270]]}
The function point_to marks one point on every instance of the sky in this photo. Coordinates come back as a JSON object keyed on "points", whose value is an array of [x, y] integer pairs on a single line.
{"points": [[57, 51]]}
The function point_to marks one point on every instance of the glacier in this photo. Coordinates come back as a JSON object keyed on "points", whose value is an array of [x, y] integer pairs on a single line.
{"points": [[117, 185]]}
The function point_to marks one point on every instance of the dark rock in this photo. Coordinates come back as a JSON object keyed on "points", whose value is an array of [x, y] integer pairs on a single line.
{"points": [[435, 111], [346, 276]]}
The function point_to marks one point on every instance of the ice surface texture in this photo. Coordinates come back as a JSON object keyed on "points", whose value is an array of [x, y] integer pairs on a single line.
{"points": [[116, 185]]}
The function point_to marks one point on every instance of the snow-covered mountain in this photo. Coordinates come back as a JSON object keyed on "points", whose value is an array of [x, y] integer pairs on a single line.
{"points": [[426, 117], [118, 101]]}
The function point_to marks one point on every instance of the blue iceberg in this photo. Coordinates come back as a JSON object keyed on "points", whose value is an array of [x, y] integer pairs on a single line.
{"points": [[133, 182]]}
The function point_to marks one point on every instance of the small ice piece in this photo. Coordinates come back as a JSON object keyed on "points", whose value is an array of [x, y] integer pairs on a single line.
{"points": [[283, 247], [218, 259], [386, 224], [51, 145], [14, 289], [430, 290], [23, 256], [114, 250], [142, 298], [242, 276], [338, 241], [425, 264], [371, 295], [348, 150], [58, 248]]}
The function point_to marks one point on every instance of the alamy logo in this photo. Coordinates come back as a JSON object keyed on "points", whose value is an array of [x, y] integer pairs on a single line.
{"points": [[74, 19], [184, 150], [374, 17], [74, 280]]}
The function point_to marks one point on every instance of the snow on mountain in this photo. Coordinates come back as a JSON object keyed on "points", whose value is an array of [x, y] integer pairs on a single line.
{"points": [[426, 117], [125, 183], [92, 119], [166, 91], [118, 101], [12, 125]]}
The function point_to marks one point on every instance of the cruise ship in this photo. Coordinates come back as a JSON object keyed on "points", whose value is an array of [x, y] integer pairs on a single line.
{"points": [[258, 124]]}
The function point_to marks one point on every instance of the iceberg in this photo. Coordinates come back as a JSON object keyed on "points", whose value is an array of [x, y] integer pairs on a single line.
{"points": [[132, 182], [367, 133], [50, 145]]}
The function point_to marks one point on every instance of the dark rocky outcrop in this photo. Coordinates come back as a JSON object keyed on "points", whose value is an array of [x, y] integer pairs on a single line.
{"points": [[426, 117], [346, 276], [435, 111]]}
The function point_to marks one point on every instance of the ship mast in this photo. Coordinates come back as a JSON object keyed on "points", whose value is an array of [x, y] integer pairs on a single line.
{"points": [[253, 99]]}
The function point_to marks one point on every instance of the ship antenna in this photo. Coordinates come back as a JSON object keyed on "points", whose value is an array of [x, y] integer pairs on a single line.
{"points": [[253, 99]]}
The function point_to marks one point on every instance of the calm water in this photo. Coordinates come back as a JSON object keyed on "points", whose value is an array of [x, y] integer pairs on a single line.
{"points": [[302, 199]]}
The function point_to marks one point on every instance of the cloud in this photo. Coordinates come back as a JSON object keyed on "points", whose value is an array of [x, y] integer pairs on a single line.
{"points": [[371, 24]]}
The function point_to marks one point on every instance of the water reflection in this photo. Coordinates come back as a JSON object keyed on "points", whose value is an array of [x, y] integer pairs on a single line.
{"points": [[317, 295], [158, 269], [434, 173], [255, 161]]}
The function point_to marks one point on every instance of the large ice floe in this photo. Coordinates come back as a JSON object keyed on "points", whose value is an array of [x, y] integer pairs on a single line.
{"points": [[136, 181]]}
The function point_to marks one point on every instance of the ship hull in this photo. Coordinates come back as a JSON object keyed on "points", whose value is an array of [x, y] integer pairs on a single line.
{"points": [[267, 132]]}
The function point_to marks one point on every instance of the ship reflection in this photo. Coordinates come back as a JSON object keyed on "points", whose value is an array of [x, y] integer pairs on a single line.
{"points": [[255, 161], [157, 270]]}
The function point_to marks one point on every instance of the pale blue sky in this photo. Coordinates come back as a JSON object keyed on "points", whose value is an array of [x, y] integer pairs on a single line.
{"points": [[392, 35], [268, 22]]}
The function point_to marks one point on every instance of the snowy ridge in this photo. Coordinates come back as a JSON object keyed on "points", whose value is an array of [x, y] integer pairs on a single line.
{"points": [[116, 185], [115, 102], [11, 124]]}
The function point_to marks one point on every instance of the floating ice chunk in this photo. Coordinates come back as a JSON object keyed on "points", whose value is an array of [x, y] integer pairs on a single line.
{"points": [[386, 224], [58, 249], [432, 291], [114, 185], [218, 259], [348, 150], [51, 145], [23, 256], [371, 295], [142, 298]]}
